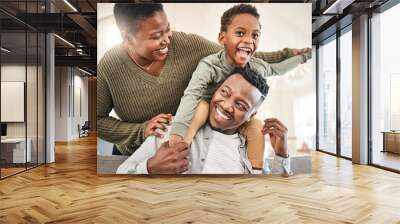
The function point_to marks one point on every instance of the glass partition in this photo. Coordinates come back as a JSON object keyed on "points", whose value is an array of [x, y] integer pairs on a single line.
{"points": [[346, 93], [14, 145], [22, 90]]}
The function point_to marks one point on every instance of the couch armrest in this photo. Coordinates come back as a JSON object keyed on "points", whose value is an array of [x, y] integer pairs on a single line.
{"points": [[109, 164]]}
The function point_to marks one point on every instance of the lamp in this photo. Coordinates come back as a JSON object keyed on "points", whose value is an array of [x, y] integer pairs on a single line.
{"points": [[64, 40], [70, 5], [5, 50]]}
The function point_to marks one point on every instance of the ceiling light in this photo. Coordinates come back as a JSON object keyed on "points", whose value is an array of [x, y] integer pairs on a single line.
{"points": [[331, 7], [338, 6], [65, 41], [84, 71], [5, 50], [70, 5]]}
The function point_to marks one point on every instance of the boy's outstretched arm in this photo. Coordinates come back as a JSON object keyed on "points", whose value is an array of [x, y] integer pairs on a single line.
{"points": [[289, 64], [278, 56]]}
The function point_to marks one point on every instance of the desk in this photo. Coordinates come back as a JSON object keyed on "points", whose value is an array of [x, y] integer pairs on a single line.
{"points": [[13, 150], [391, 141]]}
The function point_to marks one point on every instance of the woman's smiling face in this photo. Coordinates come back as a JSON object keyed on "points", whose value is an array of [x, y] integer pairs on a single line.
{"points": [[151, 37]]}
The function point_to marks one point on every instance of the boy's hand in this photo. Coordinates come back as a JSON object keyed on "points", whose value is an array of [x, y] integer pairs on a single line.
{"points": [[175, 139], [297, 51], [158, 122], [306, 51], [278, 134]]}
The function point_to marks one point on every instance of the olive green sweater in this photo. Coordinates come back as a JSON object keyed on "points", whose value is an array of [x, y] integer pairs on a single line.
{"points": [[137, 96]]}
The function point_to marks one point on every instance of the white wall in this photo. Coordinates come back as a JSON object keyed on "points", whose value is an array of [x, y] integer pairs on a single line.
{"points": [[80, 83], [291, 97], [61, 103], [12, 73], [68, 81], [280, 23]]}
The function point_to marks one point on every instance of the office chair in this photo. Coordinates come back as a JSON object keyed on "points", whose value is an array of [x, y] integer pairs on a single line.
{"points": [[84, 130]]}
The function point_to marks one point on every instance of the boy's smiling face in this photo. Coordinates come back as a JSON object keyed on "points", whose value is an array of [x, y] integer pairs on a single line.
{"points": [[240, 39]]}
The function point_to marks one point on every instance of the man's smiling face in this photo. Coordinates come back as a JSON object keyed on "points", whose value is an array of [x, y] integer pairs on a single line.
{"points": [[234, 103]]}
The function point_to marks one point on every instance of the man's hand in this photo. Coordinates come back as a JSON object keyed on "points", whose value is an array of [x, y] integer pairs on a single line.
{"points": [[169, 159], [160, 121], [174, 139], [278, 134]]}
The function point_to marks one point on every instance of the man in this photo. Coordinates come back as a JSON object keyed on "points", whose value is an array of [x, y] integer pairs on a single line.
{"points": [[217, 148]]}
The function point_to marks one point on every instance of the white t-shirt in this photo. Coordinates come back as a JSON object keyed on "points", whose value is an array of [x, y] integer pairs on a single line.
{"points": [[211, 152], [223, 155]]}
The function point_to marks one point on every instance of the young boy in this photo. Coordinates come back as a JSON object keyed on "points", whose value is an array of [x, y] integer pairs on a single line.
{"points": [[239, 34]]}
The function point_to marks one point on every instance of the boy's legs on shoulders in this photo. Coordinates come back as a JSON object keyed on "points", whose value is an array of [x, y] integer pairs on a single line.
{"points": [[255, 142], [198, 121]]}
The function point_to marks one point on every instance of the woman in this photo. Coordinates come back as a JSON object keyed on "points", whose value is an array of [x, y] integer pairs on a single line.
{"points": [[143, 79]]}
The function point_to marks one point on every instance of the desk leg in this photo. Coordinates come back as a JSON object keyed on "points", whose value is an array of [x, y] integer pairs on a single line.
{"points": [[384, 142]]}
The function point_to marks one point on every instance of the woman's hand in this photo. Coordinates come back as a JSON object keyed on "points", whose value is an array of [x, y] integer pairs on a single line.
{"points": [[158, 122]]}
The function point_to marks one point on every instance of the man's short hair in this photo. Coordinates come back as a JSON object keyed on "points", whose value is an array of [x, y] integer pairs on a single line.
{"points": [[254, 79], [129, 15], [226, 18]]}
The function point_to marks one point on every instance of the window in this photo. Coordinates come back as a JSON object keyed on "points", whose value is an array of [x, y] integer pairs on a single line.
{"points": [[327, 96], [385, 87]]}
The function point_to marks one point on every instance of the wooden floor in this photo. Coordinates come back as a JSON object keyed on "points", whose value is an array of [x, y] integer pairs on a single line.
{"points": [[70, 191], [5, 172], [10, 171]]}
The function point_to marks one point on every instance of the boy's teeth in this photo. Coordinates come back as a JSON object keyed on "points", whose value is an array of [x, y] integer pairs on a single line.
{"points": [[164, 50], [243, 53], [245, 49]]}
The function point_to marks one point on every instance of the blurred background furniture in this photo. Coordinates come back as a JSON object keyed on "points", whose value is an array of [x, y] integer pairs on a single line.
{"points": [[391, 141], [13, 151], [84, 130]]}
